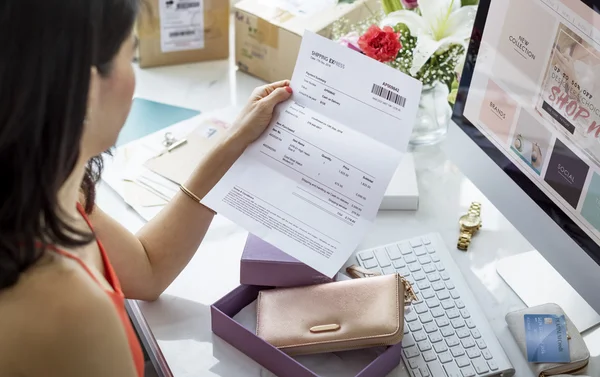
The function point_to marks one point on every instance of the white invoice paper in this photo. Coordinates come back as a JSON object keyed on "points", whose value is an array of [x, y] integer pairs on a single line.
{"points": [[312, 184]]}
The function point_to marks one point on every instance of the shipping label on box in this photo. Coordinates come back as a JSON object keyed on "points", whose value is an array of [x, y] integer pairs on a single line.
{"points": [[183, 31]]}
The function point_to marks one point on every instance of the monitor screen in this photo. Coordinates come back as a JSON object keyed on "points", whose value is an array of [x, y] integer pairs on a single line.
{"points": [[530, 98]]}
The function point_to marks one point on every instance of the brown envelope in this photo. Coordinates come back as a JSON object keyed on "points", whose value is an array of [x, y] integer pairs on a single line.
{"points": [[178, 164]]}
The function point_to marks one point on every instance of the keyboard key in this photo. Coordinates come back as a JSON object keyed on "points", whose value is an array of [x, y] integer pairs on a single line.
{"points": [[455, 295], [430, 327], [435, 258], [411, 352], [404, 271], [447, 331], [406, 330], [471, 324], [492, 364], [429, 355], [410, 258], [457, 351], [444, 275], [463, 361], [420, 251], [428, 268], [414, 267], [433, 277], [424, 345], [432, 303], [465, 313], [420, 308], [437, 312], [443, 295], [452, 341], [415, 326], [393, 252], [450, 285], [440, 347], [468, 371], [473, 352], [462, 333], [468, 343], [408, 341], [436, 337], [476, 334], [486, 354], [457, 323], [399, 263], [370, 263], [425, 318], [419, 335], [388, 270], [424, 371], [382, 258], [438, 286], [445, 357], [425, 259], [366, 255], [405, 249], [410, 315], [480, 365], [419, 275], [414, 362], [452, 370], [453, 313], [447, 304], [415, 242], [426, 240], [459, 304], [440, 266], [481, 343], [442, 321], [426, 292]]}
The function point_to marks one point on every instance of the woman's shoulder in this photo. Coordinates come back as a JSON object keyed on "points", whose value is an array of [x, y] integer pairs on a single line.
{"points": [[54, 309]]}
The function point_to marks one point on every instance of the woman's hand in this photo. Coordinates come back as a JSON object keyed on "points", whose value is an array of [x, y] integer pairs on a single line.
{"points": [[257, 114]]}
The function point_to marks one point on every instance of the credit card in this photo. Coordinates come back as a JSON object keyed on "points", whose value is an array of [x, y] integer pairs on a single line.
{"points": [[546, 338]]}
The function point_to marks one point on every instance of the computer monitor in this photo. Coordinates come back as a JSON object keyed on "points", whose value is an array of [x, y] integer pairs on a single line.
{"points": [[526, 127]]}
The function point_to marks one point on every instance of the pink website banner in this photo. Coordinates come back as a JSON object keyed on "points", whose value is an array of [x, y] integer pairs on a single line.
{"points": [[583, 11]]}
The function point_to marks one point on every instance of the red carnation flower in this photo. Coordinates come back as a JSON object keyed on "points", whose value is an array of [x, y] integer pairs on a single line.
{"points": [[380, 44]]}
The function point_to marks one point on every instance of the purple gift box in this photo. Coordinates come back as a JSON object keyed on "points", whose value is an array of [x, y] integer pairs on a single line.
{"points": [[265, 265], [276, 361]]}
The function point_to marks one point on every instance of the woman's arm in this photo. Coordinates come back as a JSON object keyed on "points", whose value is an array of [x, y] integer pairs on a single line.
{"points": [[148, 262]]}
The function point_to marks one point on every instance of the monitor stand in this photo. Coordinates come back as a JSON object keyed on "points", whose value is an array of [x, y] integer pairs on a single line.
{"points": [[536, 282]]}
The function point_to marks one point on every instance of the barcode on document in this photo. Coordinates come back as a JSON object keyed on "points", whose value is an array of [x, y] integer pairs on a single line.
{"points": [[181, 33], [388, 95], [195, 4]]}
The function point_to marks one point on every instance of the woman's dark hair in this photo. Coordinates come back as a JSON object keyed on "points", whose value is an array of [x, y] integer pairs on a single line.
{"points": [[47, 51]]}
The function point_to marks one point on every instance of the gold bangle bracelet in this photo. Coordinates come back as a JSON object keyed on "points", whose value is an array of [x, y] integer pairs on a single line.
{"points": [[194, 197]]}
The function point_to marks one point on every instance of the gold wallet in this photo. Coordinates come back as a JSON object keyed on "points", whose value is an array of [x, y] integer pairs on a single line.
{"points": [[332, 317]]}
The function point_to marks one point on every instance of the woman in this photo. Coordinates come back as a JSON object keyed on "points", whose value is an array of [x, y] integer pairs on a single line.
{"points": [[66, 84]]}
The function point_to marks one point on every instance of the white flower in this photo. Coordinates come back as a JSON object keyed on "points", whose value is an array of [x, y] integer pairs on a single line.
{"points": [[441, 24]]}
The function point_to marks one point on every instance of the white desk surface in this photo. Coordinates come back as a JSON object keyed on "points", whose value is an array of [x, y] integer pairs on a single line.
{"points": [[180, 319]]}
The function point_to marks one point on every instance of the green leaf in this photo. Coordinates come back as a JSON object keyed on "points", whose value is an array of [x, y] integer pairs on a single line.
{"points": [[469, 2], [346, 1], [452, 96], [390, 6]]}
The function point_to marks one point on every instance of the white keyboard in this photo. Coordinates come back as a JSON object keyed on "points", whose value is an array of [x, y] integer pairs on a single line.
{"points": [[445, 332]]}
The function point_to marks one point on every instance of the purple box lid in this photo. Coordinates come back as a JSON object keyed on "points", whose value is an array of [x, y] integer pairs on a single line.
{"points": [[224, 326], [265, 265]]}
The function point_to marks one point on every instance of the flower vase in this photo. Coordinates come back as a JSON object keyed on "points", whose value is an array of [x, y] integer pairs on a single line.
{"points": [[433, 116]]}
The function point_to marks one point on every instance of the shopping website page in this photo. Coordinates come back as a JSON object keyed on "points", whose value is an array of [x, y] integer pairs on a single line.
{"points": [[535, 94]]}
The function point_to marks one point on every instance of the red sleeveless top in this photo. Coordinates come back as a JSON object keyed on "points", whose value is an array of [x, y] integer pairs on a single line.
{"points": [[116, 296]]}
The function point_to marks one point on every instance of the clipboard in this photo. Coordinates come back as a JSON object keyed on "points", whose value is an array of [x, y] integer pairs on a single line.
{"points": [[177, 165]]}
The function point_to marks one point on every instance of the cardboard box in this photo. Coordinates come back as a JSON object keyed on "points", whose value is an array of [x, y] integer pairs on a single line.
{"points": [[264, 264], [268, 33], [224, 326], [183, 31]]}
